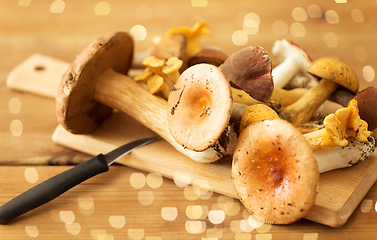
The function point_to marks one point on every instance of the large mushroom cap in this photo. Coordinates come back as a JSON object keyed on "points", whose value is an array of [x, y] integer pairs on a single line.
{"points": [[250, 69], [199, 106], [76, 109], [335, 70], [275, 172]]}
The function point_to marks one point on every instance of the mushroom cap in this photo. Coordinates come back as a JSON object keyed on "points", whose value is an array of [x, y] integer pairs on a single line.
{"points": [[250, 69], [367, 103], [76, 109], [200, 106], [335, 70], [212, 56], [275, 172]]}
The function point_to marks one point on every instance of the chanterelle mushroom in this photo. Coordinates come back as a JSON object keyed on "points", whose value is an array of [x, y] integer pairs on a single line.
{"points": [[333, 72], [193, 34], [199, 109], [274, 171]]}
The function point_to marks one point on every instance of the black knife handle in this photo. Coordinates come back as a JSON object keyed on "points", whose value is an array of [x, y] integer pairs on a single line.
{"points": [[52, 188]]}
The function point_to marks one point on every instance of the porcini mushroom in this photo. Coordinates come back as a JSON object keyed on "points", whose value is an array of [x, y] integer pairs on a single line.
{"points": [[249, 69], [292, 60], [95, 84], [199, 109], [333, 72], [275, 172]]}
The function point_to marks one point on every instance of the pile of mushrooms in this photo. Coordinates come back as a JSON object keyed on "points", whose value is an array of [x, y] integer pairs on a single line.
{"points": [[210, 106]]}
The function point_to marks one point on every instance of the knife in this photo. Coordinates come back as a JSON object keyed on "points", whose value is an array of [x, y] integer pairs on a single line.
{"points": [[57, 185]]}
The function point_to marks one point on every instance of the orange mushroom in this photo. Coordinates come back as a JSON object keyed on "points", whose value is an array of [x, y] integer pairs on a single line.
{"points": [[199, 109], [275, 172]]}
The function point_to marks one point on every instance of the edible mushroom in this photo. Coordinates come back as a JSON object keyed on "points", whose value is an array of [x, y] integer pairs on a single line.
{"points": [[212, 56], [333, 72], [200, 107], [292, 60], [367, 103], [249, 69], [274, 172], [95, 83]]}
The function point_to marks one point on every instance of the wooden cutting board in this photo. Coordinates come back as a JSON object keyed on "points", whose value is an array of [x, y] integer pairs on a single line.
{"points": [[339, 193]]}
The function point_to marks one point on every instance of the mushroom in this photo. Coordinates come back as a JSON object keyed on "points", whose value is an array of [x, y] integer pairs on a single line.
{"points": [[280, 95], [255, 113], [275, 172], [173, 45], [199, 110], [292, 60], [211, 56], [192, 34], [249, 69], [276, 169], [333, 72], [95, 84], [367, 102], [160, 74]]}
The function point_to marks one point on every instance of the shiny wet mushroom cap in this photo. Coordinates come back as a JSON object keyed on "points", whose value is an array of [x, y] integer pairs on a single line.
{"points": [[274, 171], [199, 107]]}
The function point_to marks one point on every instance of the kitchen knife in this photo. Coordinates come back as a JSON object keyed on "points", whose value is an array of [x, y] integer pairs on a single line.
{"points": [[57, 185]]}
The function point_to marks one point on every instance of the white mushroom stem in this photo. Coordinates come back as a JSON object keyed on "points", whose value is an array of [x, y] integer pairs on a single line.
{"points": [[123, 93], [329, 158], [292, 60]]}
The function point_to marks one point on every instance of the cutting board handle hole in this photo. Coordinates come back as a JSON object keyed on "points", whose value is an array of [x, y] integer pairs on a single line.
{"points": [[39, 68]]}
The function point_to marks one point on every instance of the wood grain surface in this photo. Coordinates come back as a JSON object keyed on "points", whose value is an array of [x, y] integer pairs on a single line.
{"points": [[346, 30]]}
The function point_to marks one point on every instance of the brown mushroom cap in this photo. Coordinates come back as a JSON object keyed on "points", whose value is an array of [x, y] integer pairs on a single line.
{"points": [[275, 172], [199, 106], [76, 108], [250, 70], [212, 56], [367, 103], [335, 70]]}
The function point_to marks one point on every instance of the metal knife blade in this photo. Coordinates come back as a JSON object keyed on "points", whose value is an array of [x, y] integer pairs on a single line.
{"points": [[57, 185]]}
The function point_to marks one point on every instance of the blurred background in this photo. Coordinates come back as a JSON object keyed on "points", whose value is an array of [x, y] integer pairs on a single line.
{"points": [[62, 28]]}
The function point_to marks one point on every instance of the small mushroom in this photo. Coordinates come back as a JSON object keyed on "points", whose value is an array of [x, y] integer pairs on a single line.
{"points": [[367, 102], [96, 83], [333, 72], [160, 74], [173, 45], [192, 34], [249, 69], [293, 60], [275, 172], [212, 56], [255, 113], [200, 107]]}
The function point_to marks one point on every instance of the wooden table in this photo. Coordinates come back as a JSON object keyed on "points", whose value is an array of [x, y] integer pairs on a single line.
{"points": [[127, 203]]}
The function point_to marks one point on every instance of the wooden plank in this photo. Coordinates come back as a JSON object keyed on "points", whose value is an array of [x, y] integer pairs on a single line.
{"points": [[339, 192]]}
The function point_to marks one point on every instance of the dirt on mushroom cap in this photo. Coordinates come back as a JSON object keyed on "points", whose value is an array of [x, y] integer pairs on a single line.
{"points": [[275, 172]]}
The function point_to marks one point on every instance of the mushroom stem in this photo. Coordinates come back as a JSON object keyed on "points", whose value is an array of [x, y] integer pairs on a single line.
{"points": [[342, 157], [282, 96], [302, 110], [119, 92]]}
